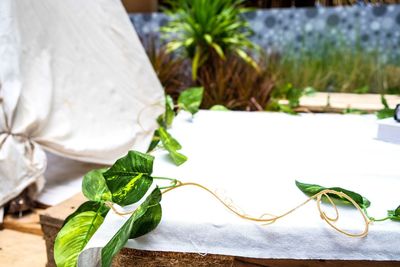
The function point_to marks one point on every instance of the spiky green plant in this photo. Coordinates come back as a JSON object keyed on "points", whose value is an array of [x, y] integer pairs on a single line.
{"points": [[202, 28]]}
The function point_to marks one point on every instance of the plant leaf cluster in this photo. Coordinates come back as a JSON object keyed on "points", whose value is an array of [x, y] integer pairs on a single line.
{"points": [[201, 28], [124, 183], [292, 94], [190, 101]]}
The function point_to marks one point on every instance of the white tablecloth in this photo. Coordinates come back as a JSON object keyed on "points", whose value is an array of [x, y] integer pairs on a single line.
{"points": [[254, 159]]}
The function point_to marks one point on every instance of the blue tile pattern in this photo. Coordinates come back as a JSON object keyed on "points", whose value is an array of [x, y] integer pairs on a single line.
{"points": [[372, 27]]}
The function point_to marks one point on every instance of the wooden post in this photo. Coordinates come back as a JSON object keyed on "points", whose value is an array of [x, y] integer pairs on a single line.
{"points": [[140, 6]]}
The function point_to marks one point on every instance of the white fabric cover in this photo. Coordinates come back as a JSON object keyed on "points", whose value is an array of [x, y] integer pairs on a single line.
{"points": [[76, 81], [254, 159]]}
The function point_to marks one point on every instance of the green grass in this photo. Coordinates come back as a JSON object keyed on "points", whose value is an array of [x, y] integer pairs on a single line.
{"points": [[340, 68]]}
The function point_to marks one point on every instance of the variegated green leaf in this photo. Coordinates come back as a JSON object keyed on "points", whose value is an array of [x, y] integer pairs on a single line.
{"points": [[130, 177], [94, 186], [134, 225], [190, 99], [74, 236]]}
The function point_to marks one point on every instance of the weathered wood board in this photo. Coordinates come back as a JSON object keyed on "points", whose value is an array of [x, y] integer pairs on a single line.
{"points": [[339, 102], [26, 224]]}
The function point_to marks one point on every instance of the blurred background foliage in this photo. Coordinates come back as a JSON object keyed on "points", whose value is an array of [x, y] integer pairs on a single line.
{"points": [[209, 47], [303, 3]]}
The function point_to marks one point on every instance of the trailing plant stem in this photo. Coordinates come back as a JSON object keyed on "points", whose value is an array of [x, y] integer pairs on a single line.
{"points": [[269, 218], [173, 182], [372, 219]]}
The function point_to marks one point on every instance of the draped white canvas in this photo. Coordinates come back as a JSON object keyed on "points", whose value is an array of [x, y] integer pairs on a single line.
{"points": [[75, 80]]}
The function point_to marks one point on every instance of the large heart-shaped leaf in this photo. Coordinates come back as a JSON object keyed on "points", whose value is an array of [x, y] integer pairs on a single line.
{"points": [[190, 99], [312, 189], [148, 222], [74, 236], [89, 206], [130, 177], [94, 186], [121, 237], [172, 146]]}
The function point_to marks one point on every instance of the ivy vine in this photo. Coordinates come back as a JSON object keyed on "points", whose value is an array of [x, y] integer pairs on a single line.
{"points": [[129, 180]]}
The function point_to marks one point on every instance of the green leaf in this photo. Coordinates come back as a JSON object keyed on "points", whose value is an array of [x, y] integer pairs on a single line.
{"points": [[154, 141], [219, 50], [172, 46], [130, 177], [286, 109], [294, 95], [74, 236], [172, 146], [208, 38], [88, 206], [132, 226], [384, 102], [177, 157], [169, 111], [168, 140], [148, 222], [196, 63], [219, 108], [394, 214], [94, 186], [385, 113], [190, 99], [247, 59], [309, 91], [166, 119], [312, 189]]}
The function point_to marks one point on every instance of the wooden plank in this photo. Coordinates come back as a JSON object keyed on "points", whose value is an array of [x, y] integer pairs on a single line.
{"points": [[133, 6], [338, 102], [20, 249], [55, 216], [26, 224]]}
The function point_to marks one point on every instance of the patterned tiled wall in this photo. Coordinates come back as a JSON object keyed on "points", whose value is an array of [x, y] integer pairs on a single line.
{"points": [[373, 27]]}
